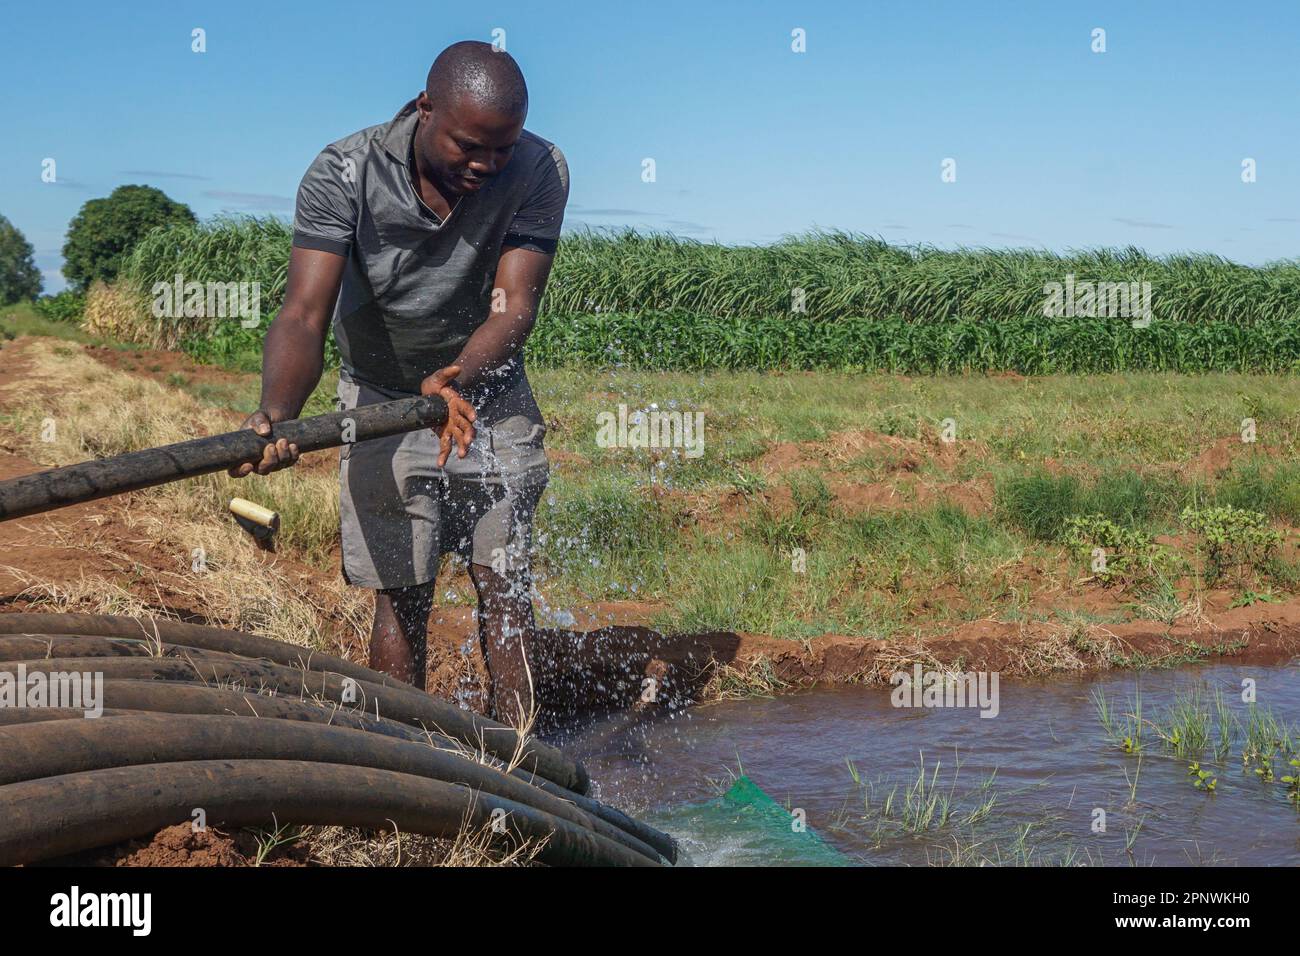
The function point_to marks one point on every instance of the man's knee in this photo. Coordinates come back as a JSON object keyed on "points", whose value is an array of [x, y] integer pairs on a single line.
{"points": [[408, 607]]}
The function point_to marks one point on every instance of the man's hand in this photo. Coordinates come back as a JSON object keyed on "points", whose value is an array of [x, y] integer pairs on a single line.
{"points": [[276, 455], [460, 413]]}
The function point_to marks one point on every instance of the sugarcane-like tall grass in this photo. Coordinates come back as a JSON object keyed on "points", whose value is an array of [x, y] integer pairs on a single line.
{"points": [[850, 275], [824, 300]]}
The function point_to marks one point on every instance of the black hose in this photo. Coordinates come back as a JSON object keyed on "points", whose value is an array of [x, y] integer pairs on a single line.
{"points": [[403, 704], [122, 697], [190, 635], [91, 480], [662, 842], [179, 697], [56, 748], [102, 807], [139, 696], [10, 716], [28, 647]]}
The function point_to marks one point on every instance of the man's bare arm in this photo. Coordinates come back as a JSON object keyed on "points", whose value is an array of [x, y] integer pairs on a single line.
{"points": [[521, 277], [293, 356], [293, 352]]}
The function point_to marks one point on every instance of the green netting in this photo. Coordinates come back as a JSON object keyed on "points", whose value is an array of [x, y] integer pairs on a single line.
{"points": [[747, 827]]}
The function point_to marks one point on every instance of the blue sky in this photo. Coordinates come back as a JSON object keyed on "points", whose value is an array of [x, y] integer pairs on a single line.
{"points": [[1055, 146]]}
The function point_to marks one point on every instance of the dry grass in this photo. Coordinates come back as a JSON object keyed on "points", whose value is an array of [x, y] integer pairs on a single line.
{"points": [[206, 559], [1053, 653], [96, 411], [472, 846], [118, 312], [893, 660], [92, 594], [478, 751], [741, 681]]}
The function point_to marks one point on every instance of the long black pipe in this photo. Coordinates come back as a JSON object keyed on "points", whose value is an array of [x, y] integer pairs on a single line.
{"points": [[126, 697], [9, 716], [189, 635], [177, 697], [49, 633], [26, 647], [90, 480], [403, 704], [102, 807], [55, 748]]}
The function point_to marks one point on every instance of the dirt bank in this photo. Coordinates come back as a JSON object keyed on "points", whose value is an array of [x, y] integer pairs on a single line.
{"points": [[182, 846]]}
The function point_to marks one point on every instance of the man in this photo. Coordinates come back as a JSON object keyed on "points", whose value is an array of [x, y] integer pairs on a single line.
{"points": [[428, 240]]}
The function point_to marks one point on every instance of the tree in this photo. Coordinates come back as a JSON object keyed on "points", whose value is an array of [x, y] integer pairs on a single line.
{"points": [[102, 234], [19, 277]]}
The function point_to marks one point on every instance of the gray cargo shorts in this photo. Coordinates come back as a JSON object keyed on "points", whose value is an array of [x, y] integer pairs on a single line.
{"points": [[399, 512]]}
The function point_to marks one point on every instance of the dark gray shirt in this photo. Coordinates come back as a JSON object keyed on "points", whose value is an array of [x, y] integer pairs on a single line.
{"points": [[415, 287]]}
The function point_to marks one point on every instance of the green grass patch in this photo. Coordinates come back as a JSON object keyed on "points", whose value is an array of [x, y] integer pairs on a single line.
{"points": [[1041, 504], [605, 538]]}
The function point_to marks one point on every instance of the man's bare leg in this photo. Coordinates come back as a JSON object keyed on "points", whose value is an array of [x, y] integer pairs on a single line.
{"points": [[398, 637], [505, 630]]}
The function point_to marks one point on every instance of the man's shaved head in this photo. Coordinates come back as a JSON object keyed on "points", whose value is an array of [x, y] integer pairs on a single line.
{"points": [[472, 114], [489, 79]]}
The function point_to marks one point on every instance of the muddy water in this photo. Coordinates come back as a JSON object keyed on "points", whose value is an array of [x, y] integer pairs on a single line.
{"points": [[1044, 762]]}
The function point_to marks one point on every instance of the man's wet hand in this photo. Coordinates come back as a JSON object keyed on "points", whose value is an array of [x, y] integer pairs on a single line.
{"points": [[276, 455], [459, 426]]}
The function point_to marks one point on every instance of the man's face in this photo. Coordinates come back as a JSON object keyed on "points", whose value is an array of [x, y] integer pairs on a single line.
{"points": [[461, 146]]}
